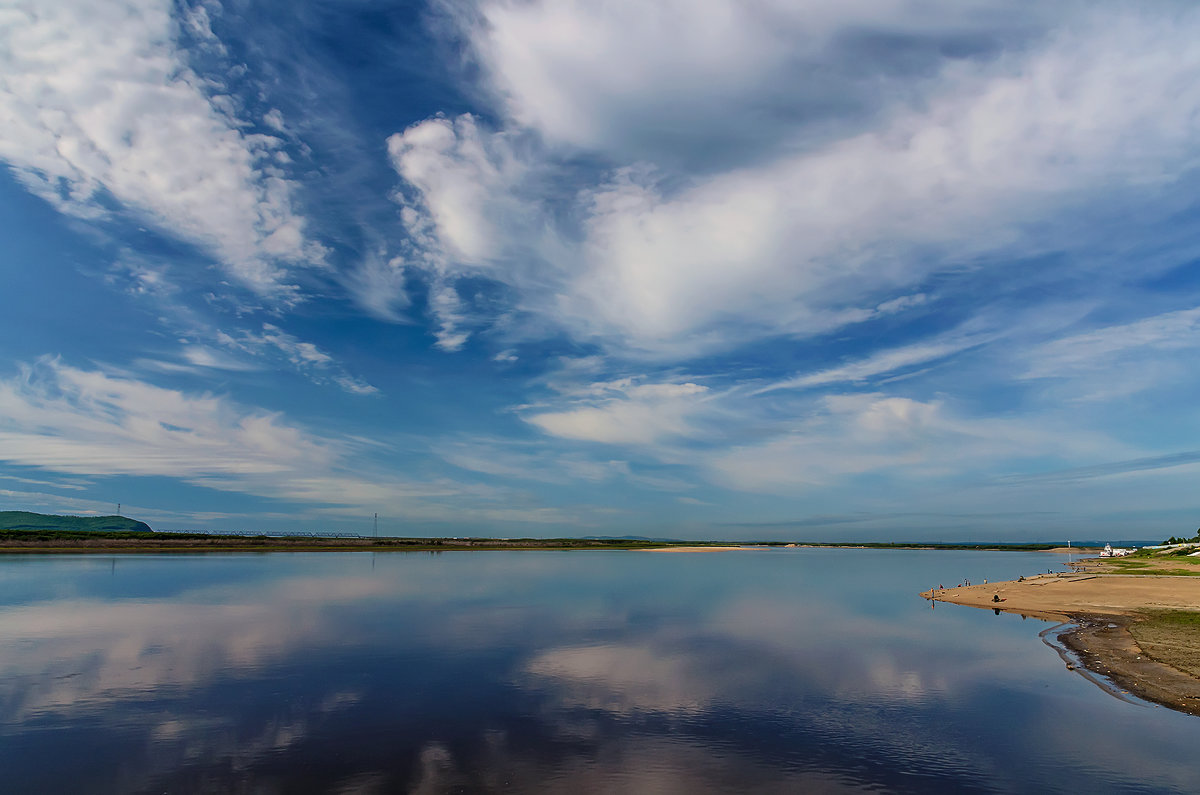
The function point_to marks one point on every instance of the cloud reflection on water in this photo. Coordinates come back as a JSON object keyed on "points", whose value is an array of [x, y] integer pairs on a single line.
{"points": [[555, 672], [79, 654]]}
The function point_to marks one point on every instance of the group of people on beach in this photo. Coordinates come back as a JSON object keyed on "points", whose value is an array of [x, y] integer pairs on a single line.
{"points": [[962, 584]]}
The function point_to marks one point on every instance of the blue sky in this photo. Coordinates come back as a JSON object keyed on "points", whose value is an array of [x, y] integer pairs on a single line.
{"points": [[844, 270]]}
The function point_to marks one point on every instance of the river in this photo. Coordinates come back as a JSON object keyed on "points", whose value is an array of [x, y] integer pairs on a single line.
{"points": [[777, 670]]}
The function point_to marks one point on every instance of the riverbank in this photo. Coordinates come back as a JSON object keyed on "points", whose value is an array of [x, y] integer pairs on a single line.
{"points": [[84, 541], [40, 542], [1140, 631]]}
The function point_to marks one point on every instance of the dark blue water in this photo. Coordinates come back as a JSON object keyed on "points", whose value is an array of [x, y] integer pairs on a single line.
{"points": [[772, 671]]}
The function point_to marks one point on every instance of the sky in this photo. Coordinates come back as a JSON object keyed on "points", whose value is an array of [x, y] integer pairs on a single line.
{"points": [[833, 269]]}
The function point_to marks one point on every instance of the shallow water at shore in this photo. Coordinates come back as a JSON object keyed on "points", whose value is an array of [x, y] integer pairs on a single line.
{"points": [[765, 670]]}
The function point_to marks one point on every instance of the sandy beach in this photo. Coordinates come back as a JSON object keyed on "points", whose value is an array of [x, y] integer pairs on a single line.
{"points": [[1061, 596], [1138, 631]]}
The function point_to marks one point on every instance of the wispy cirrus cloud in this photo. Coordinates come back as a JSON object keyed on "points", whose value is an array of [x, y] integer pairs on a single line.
{"points": [[883, 362], [1108, 469], [316, 364], [844, 437], [74, 421], [100, 112], [1104, 347], [85, 422]]}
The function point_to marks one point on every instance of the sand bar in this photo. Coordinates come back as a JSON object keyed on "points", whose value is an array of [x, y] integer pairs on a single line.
{"points": [[1121, 626]]}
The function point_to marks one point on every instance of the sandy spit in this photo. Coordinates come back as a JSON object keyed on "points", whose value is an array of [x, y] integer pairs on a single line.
{"points": [[1098, 611]]}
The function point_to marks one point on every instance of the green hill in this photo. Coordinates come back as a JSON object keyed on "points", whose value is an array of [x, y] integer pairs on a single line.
{"points": [[24, 520]]}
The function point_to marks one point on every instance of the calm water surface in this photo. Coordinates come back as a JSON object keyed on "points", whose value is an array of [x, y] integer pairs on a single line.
{"points": [[783, 670]]}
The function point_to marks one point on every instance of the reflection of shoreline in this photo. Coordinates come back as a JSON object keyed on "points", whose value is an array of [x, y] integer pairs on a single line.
{"points": [[1103, 613], [706, 549]]}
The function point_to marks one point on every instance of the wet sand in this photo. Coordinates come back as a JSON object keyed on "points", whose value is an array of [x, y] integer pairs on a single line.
{"points": [[1118, 625]]}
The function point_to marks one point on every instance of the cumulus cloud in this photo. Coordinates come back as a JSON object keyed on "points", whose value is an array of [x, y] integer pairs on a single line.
{"points": [[772, 246], [718, 75], [1059, 117], [471, 208], [98, 106], [461, 175]]}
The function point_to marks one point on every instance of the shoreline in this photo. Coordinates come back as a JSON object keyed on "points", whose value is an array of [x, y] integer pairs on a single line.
{"points": [[26, 541], [1122, 627], [169, 543]]}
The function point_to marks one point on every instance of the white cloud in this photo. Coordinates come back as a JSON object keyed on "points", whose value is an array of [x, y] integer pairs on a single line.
{"points": [[378, 286], [97, 101], [640, 81], [1103, 348], [447, 307], [62, 419], [203, 356], [355, 385], [466, 211], [626, 413], [462, 176], [812, 233], [772, 245], [67, 420], [301, 354], [845, 436], [886, 361], [305, 357], [535, 462], [86, 422]]}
